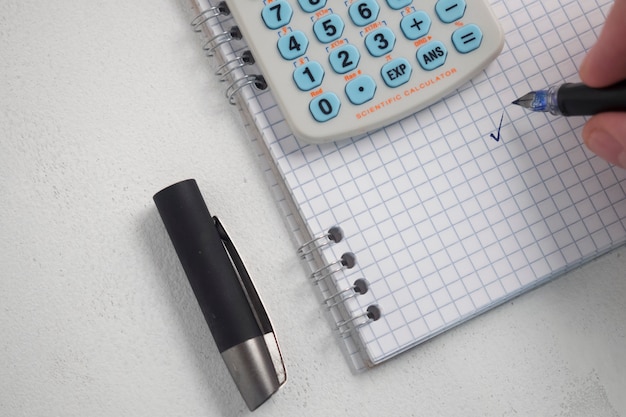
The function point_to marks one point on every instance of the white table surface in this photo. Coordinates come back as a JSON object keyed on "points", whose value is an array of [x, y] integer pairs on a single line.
{"points": [[102, 104]]}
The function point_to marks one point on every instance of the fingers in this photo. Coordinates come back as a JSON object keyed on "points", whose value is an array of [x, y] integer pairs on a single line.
{"points": [[605, 135], [605, 64]]}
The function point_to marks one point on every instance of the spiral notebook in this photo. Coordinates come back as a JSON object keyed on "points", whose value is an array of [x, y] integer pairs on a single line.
{"points": [[452, 211]]}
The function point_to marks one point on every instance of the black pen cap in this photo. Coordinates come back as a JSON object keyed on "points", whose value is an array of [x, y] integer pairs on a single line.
{"points": [[219, 291]]}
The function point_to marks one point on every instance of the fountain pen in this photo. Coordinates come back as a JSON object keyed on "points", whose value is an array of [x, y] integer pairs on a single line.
{"points": [[576, 99]]}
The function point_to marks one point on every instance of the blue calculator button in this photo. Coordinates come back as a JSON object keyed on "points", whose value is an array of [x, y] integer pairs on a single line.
{"points": [[325, 107], [432, 55], [415, 25], [293, 45], [396, 72], [380, 42], [364, 12], [450, 10], [311, 6], [344, 59], [361, 89], [467, 38], [328, 28], [277, 14], [308, 76], [398, 4]]}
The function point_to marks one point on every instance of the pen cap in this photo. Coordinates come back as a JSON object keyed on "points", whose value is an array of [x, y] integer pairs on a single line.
{"points": [[225, 293], [207, 265]]}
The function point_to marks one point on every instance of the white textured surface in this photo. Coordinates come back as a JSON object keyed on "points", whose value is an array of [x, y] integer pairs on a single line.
{"points": [[104, 103]]}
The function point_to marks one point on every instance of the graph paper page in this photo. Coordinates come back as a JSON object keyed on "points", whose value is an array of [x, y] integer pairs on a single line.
{"points": [[447, 217]]}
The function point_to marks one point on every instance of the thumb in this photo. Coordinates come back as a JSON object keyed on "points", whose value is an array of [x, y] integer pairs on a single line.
{"points": [[605, 135]]}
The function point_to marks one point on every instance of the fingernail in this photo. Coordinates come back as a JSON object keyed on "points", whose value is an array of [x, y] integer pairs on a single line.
{"points": [[607, 147]]}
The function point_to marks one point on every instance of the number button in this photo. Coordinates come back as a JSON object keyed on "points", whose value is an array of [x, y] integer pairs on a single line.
{"points": [[344, 59], [308, 76], [398, 4], [325, 107], [467, 39], [396, 72], [293, 45], [361, 89], [311, 6], [415, 25], [450, 10], [380, 42], [432, 55], [277, 14], [364, 12], [328, 28]]}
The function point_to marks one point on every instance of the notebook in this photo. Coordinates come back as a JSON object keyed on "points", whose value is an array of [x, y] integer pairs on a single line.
{"points": [[453, 210]]}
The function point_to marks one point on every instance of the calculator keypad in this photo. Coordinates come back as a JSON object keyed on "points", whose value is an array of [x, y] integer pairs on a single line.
{"points": [[345, 56]]}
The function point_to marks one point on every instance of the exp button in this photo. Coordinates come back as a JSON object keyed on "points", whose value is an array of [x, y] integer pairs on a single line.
{"points": [[396, 72]]}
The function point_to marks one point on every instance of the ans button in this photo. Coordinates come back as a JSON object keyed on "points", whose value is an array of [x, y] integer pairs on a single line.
{"points": [[432, 55], [396, 72], [361, 89]]}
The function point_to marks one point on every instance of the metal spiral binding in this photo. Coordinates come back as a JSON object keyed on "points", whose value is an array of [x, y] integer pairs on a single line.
{"points": [[256, 80], [334, 235], [221, 38], [227, 68], [359, 287], [241, 61], [372, 313], [347, 261], [220, 10]]}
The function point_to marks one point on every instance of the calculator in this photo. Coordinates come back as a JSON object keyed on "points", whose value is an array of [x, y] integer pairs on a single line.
{"points": [[341, 68]]}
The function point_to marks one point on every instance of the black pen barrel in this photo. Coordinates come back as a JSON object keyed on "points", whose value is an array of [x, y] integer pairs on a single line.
{"points": [[207, 265], [580, 100]]}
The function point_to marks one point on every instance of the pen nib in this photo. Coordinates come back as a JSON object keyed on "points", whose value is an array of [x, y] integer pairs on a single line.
{"points": [[535, 101], [526, 101]]}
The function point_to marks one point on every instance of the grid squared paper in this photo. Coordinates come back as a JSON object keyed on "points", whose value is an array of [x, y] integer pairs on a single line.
{"points": [[447, 223]]}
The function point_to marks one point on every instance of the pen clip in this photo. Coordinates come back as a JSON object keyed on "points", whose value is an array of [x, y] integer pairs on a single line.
{"points": [[254, 300]]}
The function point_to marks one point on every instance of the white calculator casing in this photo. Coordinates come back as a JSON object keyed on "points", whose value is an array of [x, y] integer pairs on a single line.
{"points": [[388, 104]]}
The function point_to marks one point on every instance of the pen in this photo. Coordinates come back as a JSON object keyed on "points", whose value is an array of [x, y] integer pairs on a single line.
{"points": [[576, 99], [228, 300]]}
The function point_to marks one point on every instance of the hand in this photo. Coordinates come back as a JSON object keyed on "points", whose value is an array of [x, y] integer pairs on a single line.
{"points": [[605, 64]]}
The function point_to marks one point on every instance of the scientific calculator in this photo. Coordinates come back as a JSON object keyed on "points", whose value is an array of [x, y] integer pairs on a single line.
{"points": [[340, 68]]}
